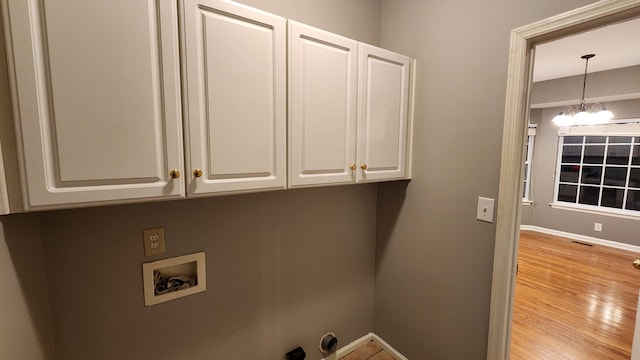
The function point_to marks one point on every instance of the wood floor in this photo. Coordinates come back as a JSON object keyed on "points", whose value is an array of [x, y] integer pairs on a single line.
{"points": [[573, 301], [369, 351]]}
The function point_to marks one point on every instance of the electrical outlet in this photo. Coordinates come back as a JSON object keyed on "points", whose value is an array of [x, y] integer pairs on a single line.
{"points": [[153, 241], [597, 227], [485, 209]]}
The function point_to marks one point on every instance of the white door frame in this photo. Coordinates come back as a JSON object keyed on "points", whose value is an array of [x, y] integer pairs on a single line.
{"points": [[521, 57]]}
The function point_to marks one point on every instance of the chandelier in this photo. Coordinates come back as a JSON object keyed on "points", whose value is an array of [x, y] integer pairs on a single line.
{"points": [[583, 114]]}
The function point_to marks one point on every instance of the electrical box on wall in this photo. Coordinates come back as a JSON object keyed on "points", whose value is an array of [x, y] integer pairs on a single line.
{"points": [[153, 241], [169, 279], [485, 209]]}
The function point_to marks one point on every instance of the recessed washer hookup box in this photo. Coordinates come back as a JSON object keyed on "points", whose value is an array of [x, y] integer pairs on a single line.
{"points": [[172, 278]]}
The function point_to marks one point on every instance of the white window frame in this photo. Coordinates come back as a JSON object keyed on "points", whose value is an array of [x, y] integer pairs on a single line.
{"points": [[628, 127], [528, 161]]}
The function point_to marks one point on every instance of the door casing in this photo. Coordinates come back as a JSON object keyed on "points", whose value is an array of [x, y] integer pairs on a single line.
{"points": [[523, 40]]}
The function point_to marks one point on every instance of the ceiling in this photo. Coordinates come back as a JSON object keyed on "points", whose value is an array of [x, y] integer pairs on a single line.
{"points": [[616, 46]]}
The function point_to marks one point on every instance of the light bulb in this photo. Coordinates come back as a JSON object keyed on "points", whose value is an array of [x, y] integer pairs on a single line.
{"points": [[562, 120], [593, 119], [600, 113], [582, 117], [605, 115]]}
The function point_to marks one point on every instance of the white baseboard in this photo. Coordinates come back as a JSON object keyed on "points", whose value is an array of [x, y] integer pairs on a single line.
{"points": [[345, 350], [587, 239]]}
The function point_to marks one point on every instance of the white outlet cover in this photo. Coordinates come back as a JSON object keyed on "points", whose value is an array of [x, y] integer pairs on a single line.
{"points": [[485, 209]]}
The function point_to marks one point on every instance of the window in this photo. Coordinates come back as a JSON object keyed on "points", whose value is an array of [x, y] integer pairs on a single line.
{"points": [[526, 189], [600, 169]]}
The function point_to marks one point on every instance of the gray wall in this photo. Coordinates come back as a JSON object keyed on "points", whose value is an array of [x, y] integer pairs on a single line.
{"points": [[544, 166], [357, 19], [618, 84], [283, 267], [25, 320], [434, 260]]}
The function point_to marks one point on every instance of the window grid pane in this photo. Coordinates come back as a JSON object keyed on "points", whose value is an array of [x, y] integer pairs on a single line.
{"points": [[634, 178], [589, 195], [635, 157], [595, 139], [633, 200], [573, 139], [601, 171]]}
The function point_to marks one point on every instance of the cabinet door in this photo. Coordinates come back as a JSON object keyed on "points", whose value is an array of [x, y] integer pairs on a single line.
{"points": [[96, 100], [383, 114], [323, 78], [236, 91]]}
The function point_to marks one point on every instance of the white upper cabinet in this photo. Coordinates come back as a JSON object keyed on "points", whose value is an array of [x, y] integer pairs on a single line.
{"points": [[323, 94], [95, 91], [383, 115], [134, 100], [348, 110], [235, 86]]}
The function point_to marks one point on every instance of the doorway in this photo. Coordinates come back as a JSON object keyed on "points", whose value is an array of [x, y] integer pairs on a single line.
{"points": [[523, 41], [596, 320]]}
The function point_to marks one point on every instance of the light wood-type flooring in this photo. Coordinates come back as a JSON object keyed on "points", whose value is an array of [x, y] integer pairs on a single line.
{"points": [[368, 351], [573, 301]]}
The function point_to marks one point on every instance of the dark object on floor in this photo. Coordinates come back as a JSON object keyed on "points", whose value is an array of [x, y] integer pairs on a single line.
{"points": [[296, 354]]}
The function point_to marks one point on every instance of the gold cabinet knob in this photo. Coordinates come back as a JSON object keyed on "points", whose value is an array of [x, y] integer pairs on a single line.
{"points": [[353, 167], [197, 173], [363, 167], [636, 264], [174, 174]]}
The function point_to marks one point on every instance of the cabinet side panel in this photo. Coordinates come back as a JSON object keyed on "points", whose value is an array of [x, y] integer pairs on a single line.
{"points": [[10, 190]]}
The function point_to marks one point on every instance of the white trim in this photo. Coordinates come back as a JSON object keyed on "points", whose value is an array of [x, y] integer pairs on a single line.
{"points": [[4, 194], [384, 345], [528, 163], [522, 43], [410, 120], [597, 210], [630, 127], [587, 239], [347, 349]]}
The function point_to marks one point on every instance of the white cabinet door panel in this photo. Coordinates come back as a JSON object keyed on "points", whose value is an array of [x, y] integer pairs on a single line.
{"points": [[96, 98], [383, 114], [323, 95], [236, 78]]}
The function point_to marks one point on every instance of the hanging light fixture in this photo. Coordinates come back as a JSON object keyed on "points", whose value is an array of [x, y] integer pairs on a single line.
{"points": [[583, 114]]}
